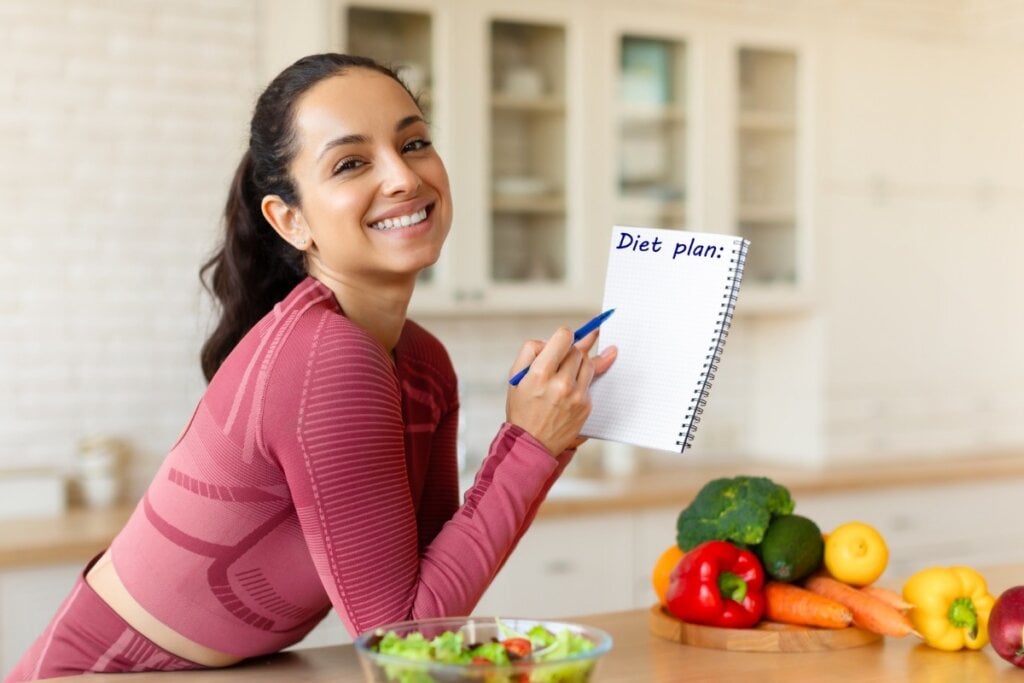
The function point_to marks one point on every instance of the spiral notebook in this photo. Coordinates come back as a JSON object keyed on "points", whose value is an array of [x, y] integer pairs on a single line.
{"points": [[674, 293]]}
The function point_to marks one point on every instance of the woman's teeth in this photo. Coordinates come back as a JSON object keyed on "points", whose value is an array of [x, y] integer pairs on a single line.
{"points": [[400, 221]]}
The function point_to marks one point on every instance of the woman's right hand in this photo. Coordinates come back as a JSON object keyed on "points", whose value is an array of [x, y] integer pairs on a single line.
{"points": [[553, 400]]}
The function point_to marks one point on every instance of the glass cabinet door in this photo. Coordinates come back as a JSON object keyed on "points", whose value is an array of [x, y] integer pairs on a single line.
{"points": [[766, 178], [528, 153], [652, 132]]}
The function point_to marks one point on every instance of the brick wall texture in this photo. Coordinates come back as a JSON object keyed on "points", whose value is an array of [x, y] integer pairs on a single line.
{"points": [[121, 123]]}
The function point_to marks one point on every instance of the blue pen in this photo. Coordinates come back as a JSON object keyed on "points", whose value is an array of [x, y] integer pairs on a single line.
{"points": [[587, 328]]}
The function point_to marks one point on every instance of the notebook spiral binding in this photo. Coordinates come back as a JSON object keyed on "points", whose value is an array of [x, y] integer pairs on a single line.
{"points": [[738, 260]]}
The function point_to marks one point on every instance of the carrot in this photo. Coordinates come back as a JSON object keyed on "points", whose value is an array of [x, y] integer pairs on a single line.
{"points": [[791, 604], [889, 597], [869, 612]]}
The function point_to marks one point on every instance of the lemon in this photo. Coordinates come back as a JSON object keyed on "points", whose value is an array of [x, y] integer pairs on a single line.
{"points": [[856, 553]]}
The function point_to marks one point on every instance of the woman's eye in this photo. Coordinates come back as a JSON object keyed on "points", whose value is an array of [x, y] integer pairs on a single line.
{"points": [[347, 165], [416, 145]]}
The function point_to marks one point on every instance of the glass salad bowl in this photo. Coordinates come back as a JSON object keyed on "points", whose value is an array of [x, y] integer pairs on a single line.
{"points": [[495, 650]]}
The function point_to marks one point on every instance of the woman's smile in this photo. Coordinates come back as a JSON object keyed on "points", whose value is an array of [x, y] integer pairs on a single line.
{"points": [[402, 218]]}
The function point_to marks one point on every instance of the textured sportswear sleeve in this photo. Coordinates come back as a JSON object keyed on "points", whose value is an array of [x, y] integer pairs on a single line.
{"points": [[440, 498], [333, 422]]}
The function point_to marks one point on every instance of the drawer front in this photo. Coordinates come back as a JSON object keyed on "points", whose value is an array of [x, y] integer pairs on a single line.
{"points": [[566, 567]]}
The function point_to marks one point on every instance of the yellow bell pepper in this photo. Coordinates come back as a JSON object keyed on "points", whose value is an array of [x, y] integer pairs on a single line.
{"points": [[951, 607]]}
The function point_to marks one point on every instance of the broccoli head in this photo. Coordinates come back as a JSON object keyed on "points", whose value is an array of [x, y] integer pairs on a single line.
{"points": [[736, 509]]}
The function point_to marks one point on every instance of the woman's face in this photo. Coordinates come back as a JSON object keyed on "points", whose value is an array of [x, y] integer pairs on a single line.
{"points": [[373, 193]]}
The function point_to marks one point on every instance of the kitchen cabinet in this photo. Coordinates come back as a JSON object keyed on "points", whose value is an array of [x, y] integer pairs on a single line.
{"points": [[559, 118], [710, 125], [566, 566], [603, 561], [769, 185], [929, 525], [653, 128]]}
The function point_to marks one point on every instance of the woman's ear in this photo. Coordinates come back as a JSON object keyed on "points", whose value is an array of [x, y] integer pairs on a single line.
{"points": [[286, 220]]}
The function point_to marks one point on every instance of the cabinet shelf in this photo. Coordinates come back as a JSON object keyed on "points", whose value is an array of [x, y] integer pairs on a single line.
{"points": [[528, 204], [651, 113], [632, 205], [544, 104]]}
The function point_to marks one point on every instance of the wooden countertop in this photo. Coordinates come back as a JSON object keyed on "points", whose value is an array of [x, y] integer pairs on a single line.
{"points": [[80, 534], [73, 537], [638, 656]]}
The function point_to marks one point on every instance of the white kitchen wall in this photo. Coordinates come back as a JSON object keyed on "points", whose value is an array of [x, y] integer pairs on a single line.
{"points": [[121, 123], [921, 195]]}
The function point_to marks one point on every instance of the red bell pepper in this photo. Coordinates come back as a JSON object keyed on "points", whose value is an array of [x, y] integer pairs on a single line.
{"points": [[717, 584]]}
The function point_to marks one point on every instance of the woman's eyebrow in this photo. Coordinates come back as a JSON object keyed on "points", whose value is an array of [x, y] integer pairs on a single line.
{"points": [[352, 139], [408, 121], [356, 138]]}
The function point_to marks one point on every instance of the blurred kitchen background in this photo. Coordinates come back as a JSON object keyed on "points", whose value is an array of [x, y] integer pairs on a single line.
{"points": [[871, 150]]}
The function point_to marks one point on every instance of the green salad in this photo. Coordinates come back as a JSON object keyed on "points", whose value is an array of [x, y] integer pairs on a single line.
{"points": [[529, 657]]}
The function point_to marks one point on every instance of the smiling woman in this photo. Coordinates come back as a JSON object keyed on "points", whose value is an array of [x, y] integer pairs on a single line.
{"points": [[318, 470], [365, 175]]}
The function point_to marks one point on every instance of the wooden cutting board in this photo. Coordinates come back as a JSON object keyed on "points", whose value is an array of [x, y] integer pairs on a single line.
{"points": [[765, 637]]}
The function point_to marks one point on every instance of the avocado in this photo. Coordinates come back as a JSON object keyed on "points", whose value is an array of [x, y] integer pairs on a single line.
{"points": [[792, 548]]}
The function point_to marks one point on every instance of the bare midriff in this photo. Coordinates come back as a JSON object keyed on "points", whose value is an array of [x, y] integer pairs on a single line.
{"points": [[107, 584]]}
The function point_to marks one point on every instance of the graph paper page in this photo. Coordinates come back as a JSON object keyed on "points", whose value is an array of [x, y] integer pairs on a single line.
{"points": [[671, 291]]}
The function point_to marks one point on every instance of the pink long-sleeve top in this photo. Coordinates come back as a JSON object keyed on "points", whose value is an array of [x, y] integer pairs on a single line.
{"points": [[319, 470]]}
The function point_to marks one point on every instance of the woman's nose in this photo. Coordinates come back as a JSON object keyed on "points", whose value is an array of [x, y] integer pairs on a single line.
{"points": [[399, 177]]}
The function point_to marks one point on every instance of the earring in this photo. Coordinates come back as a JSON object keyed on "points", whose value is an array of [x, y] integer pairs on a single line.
{"points": [[301, 242]]}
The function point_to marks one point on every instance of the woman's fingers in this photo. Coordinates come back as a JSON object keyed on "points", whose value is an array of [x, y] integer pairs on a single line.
{"points": [[526, 355], [588, 342], [559, 354], [550, 358], [604, 360], [585, 374]]}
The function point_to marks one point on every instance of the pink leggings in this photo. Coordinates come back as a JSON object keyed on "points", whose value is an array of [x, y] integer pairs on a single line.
{"points": [[87, 636]]}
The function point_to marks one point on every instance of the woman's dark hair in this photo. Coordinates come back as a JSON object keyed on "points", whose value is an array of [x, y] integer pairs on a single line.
{"points": [[254, 268]]}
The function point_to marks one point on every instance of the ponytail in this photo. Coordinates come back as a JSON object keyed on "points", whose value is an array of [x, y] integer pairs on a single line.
{"points": [[250, 272], [254, 268]]}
